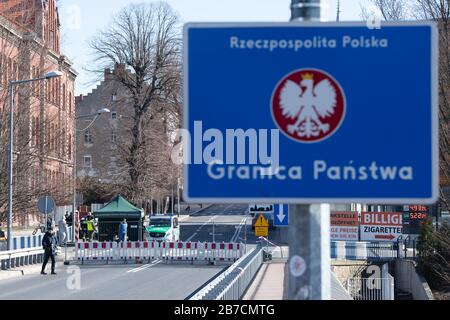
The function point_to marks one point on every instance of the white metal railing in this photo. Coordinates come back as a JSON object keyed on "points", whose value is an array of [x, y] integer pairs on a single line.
{"points": [[371, 288], [373, 251], [232, 283], [15, 258]]}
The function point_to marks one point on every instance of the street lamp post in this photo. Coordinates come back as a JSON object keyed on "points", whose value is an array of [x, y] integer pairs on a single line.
{"points": [[74, 173], [12, 83]]}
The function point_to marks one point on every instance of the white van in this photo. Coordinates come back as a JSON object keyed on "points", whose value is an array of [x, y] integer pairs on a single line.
{"points": [[163, 228]]}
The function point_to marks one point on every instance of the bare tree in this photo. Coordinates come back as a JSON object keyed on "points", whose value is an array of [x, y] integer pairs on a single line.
{"points": [[439, 11], [433, 246], [390, 10], [144, 41]]}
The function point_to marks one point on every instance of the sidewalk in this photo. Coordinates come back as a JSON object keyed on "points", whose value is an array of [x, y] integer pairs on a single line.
{"points": [[36, 268], [270, 282]]}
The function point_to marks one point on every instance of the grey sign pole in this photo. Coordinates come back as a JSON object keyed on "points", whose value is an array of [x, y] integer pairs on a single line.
{"points": [[10, 163], [309, 225]]}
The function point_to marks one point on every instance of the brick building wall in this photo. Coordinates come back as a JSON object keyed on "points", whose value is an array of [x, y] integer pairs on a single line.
{"points": [[30, 47]]}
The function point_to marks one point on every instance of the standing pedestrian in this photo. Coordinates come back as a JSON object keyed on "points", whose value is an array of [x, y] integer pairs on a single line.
{"points": [[83, 228], [49, 245], [49, 222], [62, 231], [123, 230]]}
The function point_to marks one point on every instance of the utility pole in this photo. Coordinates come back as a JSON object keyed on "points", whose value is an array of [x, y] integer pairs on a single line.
{"points": [[309, 225], [10, 165], [338, 10]]}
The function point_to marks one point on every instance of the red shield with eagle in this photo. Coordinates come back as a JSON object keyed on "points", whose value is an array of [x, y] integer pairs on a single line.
{"points": [[308, 105]]}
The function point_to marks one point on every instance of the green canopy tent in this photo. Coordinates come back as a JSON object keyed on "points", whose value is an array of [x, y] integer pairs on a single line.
{"points": [[111, 215]]}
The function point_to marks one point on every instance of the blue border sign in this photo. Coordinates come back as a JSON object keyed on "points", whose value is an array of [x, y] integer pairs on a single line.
{"points": [[311, 113]]}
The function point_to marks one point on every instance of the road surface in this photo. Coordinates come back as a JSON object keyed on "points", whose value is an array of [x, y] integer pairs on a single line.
{"points": [[227, 223], [158, 281]]}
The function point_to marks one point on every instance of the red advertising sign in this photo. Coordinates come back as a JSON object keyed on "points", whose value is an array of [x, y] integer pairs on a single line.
{"points": [[344, 226]]}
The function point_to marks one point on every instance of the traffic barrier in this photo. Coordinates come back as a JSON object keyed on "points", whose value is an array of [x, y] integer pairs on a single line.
{"points": [[15, 258], [77, 230], [151, 250]]}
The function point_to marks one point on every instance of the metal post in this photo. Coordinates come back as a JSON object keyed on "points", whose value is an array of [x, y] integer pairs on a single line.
{"points": [[245, 235], [172, 203], [305, 10], [10, 163], [178, 196], [74, 177], [309, 225], [436, 212]]}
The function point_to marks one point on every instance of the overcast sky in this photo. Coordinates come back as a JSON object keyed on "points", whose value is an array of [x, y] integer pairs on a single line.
{"points": [[81, 19]]}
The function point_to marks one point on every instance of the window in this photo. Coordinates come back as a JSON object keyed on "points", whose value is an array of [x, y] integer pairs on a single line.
{"points": [[114, 136], [69, 151], [64, 97], [70, 102], [88, 136], [87, 162], [114, 115], [63, 143]]}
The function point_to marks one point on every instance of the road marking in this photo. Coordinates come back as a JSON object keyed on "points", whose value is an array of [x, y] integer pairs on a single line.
{"points": [[200, 228], [189, 239], [149, 265], [238, 230]]}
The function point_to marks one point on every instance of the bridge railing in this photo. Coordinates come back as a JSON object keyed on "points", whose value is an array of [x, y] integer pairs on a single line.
{"points": [[232, 284], [371, 288], [350, 250], [151, 250], [15, 258], [30, 241]]}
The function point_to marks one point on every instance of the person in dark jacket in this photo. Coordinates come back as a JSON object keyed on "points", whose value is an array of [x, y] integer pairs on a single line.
{"points": [[49, 244]]}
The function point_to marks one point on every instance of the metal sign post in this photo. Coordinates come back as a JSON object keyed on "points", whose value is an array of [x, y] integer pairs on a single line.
{"points": [[309, 225]]}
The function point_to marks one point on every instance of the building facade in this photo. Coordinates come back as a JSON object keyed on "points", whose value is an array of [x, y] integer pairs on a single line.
{"points": [[45, 110], [99, 142]]}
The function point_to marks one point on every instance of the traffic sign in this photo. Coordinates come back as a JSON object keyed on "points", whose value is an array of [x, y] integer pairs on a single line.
{"points": [[257, 207], [261, 227], [302, 113], [46, 205], [281, 215], [261, 222]]}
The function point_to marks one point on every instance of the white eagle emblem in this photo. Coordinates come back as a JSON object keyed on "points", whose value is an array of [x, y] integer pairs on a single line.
{"points": [[308, 106]]}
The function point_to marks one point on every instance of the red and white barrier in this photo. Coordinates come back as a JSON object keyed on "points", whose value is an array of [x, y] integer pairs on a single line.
{"points": [[146, 251], [76, 223]]}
